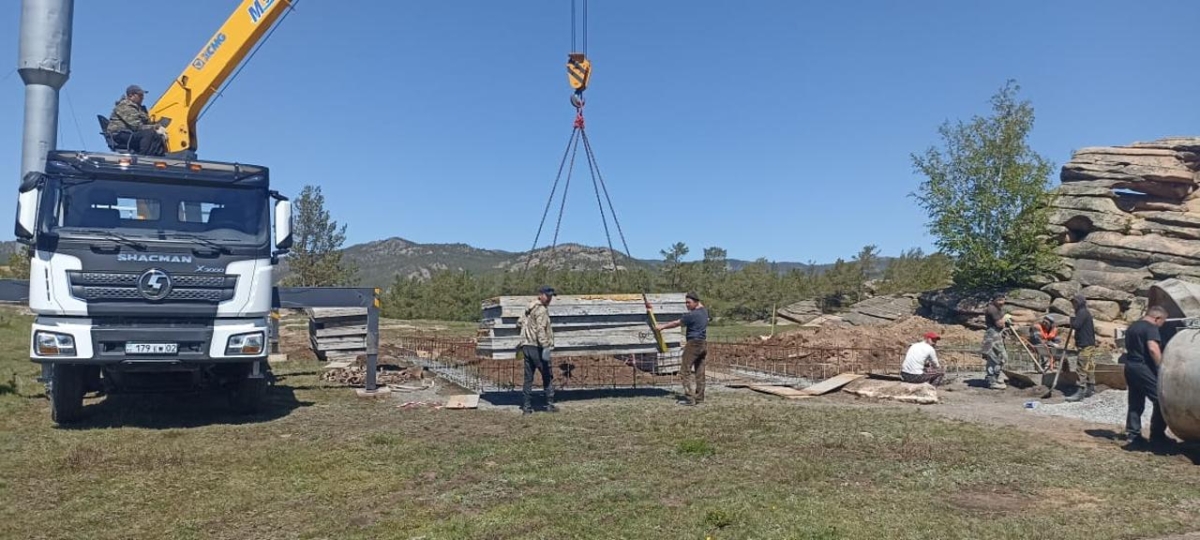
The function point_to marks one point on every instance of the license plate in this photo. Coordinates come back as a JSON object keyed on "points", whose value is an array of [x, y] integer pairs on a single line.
{"points": [[151, 348]]}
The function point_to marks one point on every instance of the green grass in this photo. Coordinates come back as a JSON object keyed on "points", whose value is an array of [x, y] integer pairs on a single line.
{"points": [[324, 464], [740, 331]]}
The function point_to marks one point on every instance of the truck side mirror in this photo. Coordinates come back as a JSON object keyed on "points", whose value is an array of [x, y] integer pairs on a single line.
{"points": [[27, 206], [283, 225]]}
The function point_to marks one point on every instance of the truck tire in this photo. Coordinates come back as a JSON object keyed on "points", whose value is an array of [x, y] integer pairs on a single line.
{"points": [[66, 394], [247, 394]]}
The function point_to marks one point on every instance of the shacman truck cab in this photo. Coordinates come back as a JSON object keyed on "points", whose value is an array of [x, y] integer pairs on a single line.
{"points": [[150, 274]]}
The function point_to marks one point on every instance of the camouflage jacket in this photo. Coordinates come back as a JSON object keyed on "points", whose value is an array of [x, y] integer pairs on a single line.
{"points": [[535, 326], [128, 116]]}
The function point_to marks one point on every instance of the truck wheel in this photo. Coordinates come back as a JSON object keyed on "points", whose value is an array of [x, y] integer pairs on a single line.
{"points": [[246, 396], [66, 394]]}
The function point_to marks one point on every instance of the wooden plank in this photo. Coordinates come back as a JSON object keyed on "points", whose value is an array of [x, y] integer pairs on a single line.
{"points": [[522, 301], [356, 344], [584, 305], [592, 321], [785, 392], [832, 383], [557, 311], [603, 335], [342, 331], [339, 364], [327, 313], [464, 401]]}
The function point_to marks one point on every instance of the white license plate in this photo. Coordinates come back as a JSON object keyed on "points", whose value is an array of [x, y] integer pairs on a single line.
{"points": [[151, 348]]}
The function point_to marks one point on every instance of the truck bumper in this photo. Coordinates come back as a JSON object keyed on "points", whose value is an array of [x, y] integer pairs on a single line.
{"points": [[103, 341]]}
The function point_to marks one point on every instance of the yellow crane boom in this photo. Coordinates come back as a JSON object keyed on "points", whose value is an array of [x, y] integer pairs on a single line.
{"points": [[212, 66]]}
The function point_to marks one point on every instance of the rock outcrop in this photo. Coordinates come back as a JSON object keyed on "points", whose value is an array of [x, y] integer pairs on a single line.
{"points": [[1124, 218]]}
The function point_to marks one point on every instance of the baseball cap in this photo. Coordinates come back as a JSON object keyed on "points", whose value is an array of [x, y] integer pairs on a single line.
{"points": [[692, 296], [546, 290], [932, 335], [134, 89]]}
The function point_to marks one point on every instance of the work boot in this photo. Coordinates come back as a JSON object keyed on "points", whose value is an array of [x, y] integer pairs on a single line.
{"points": [[1082, 392], [997, 385], [526, 408], [550, 407]]}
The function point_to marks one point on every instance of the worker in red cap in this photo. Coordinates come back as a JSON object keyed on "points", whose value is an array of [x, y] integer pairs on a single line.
{"points": [[921, 362]]}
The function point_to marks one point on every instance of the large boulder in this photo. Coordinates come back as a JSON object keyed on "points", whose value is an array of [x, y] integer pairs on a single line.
{"points": [[1029, 299], [1063, 306], [1063, 289], [1172, 270], [801, 312], [1096, 292], [881, 310], [1104, 310]]}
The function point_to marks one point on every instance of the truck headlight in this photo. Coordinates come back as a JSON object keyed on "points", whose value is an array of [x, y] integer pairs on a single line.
{"points": [[245, 344], [54, 344]]}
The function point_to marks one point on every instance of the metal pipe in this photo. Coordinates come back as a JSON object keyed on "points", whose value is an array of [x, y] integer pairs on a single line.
{"points": [[44, 63]]}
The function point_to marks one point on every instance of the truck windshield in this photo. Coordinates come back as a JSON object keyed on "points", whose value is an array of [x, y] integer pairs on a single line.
{"points": [[226, 214]]}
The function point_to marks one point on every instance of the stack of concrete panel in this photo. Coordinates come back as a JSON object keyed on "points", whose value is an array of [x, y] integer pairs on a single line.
{"points": [[338, 333], [584, 325]]}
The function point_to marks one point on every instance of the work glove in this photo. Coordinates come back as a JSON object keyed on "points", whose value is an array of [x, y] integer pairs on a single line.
{"points": [[161, 131], [1008, 320]]}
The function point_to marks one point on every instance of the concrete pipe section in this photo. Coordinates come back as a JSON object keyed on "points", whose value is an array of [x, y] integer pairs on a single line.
{"points": [[1179, 376]]}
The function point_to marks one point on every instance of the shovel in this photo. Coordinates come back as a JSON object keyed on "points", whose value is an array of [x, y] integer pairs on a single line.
{"points": [[1036, 364], [1061, 361]]}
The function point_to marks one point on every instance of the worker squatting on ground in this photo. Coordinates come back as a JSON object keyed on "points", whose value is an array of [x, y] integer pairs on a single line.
{"points": [[695, 348], [129, 125], [993, 342], [1143, 356], [1045, 339], [1084, 329], [921, 362], [537, 340]]}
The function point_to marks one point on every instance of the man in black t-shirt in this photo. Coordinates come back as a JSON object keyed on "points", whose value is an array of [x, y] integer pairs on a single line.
{"points": [[695, 349], [1143, 355]]}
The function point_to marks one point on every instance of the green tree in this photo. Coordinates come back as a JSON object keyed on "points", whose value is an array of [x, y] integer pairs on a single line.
{"points": [[673, 264], [18, 264], [986, 195], [316, 257], [863, 269], [913, 272]]}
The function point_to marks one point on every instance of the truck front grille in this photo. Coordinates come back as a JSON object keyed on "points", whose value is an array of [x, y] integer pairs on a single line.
{"points": [[123, 287]]}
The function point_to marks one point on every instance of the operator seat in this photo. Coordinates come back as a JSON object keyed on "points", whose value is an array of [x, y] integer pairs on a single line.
{"points": [[113, 145]]}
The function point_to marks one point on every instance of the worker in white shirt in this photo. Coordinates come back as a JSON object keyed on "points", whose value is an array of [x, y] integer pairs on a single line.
{"points": [[921, 362]]}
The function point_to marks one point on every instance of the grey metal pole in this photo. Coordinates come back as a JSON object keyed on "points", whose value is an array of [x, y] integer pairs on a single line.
{"points": [[372, 342], [274, 330], [44, 62]]}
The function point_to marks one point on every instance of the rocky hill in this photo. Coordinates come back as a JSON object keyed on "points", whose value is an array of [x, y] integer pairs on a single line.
{"points": [[381, 260]]}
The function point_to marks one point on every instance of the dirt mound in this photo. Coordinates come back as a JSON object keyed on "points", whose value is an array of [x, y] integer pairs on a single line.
{"points": [[897, 335]]}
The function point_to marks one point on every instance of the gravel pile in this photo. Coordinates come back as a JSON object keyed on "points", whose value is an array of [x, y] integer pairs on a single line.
{"points": [[1107, 407]]}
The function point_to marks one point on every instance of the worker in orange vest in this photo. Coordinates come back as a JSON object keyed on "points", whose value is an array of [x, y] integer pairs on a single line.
{"points": [[1044, 337]]}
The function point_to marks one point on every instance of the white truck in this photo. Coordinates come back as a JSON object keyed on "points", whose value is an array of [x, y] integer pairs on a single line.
{"points": [[150, 273]]}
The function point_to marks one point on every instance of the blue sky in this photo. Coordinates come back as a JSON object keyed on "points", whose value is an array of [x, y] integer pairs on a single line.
{"points": [[775, 129]]}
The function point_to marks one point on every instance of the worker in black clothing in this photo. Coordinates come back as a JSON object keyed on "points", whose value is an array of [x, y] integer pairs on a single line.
{"points": [[1143, 355], [1084, 328], [695, 348]]}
